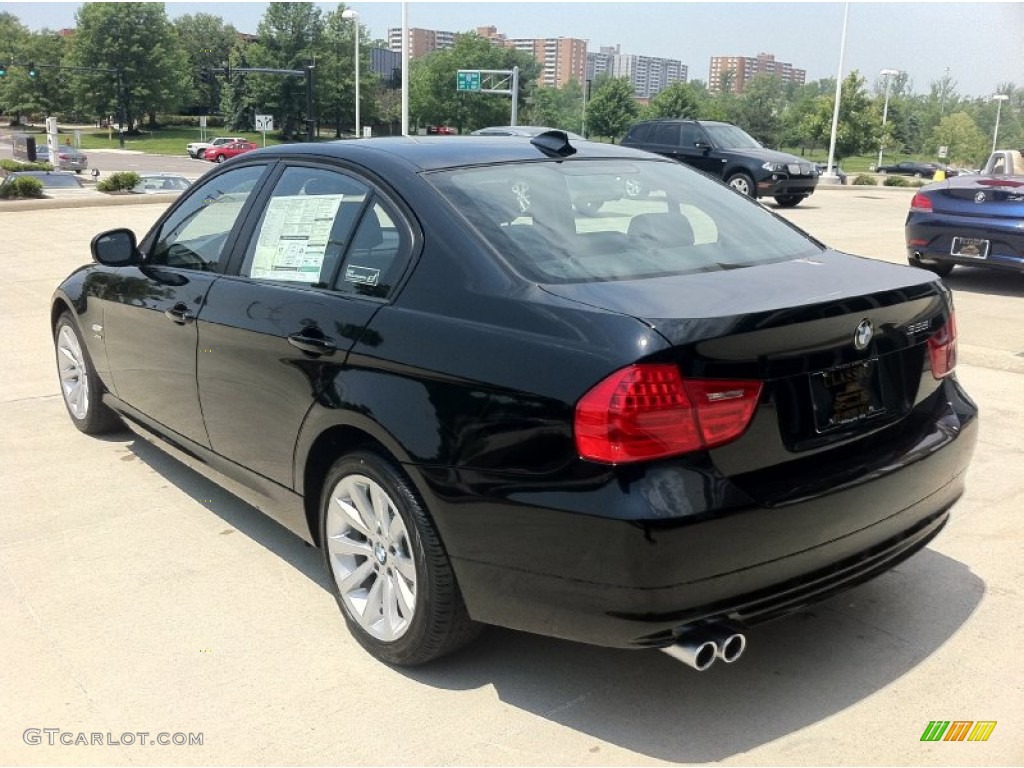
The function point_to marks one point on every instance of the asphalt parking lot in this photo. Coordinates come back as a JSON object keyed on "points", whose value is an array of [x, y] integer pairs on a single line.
{"points": [[139, 597]]}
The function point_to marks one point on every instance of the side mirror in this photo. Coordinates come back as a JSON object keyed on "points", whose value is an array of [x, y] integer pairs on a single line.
{"points": [[116, 248]]}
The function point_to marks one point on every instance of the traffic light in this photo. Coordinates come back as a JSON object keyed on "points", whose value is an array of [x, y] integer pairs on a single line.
{"points": [[32, 71]]}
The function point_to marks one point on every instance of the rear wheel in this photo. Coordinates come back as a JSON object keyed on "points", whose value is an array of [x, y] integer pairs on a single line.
{"points": [[79, 385], [940, 268], [788, 201], [742, 183], [388, 570], [221, 158]]}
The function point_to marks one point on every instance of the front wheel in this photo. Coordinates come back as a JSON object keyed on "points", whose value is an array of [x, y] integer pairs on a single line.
{"points": [[79, 385], [742, 183], [788, 201], [221, 158], [388, 569]]}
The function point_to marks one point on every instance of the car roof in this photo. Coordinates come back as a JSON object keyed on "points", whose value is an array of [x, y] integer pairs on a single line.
{"points": [[429, 153]]}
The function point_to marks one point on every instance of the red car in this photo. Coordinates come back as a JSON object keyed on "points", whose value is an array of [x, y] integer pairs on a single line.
{"points": [[222, 153], [441, 130]]}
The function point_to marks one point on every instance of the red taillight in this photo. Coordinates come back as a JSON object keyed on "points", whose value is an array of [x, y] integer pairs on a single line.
{"points": [[921, 203], [648, 411], [942, 349]]}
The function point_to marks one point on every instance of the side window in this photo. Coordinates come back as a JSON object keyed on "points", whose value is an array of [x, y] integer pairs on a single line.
{"points": [[196, 234], [640, 132], [691, 135], [667, 133], [306, 228], [373, 264]]}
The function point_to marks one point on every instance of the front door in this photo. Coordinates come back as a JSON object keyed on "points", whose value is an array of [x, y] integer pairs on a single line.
{"points": [[150, 311]]}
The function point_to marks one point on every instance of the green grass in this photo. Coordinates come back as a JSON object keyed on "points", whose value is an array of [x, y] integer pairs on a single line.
{"points": [[165, 141]]}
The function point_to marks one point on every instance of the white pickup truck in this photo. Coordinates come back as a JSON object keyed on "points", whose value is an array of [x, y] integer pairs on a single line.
{"points": [[1005, 162], [197, 148]]}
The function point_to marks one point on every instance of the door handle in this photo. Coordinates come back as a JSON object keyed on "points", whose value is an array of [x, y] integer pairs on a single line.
{"points": [[179, 314], [314, 345]]}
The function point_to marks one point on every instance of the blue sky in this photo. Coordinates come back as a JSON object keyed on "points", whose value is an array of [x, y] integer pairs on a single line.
{"points": [[980, 43]]}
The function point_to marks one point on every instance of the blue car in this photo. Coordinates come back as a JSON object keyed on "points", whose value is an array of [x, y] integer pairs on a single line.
{"points": [[973, 220]]}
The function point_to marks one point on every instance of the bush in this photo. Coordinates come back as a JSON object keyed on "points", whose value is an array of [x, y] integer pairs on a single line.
{"points": [[119, 182], [896, 181], [864, 180], [22, 187], [15, 165]]}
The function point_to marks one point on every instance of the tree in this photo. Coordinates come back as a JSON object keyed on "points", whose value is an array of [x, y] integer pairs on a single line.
{"points": [[762, 109], [137, 40], [336, 72], [859, 124], [12, 38], [207, 42], [678, 100], [558, 107], [612, 108], [432, 79], [289, 36], [959, 133], [48, 92]]}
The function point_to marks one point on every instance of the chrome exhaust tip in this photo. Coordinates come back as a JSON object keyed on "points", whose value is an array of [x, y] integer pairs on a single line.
{"points": [[696, 651], [730, 647]]}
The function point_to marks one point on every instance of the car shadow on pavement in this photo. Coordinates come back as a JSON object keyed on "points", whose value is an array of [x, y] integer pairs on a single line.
{"points": [[796, 672], [233, 510], [993, 282]]}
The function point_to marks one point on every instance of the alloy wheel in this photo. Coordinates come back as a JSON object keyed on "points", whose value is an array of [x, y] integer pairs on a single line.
{"points": [[370, 557], [74, 381]]}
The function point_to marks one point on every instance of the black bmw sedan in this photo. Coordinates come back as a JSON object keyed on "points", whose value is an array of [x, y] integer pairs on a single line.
{"points": [[647, 427]]}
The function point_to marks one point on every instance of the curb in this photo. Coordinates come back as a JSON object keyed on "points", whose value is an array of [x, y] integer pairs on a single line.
{"points": [[13, 206]]}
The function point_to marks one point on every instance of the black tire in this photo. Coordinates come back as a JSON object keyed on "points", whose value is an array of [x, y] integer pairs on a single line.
{"points": [[742, 183], [439, 623], [94, 418], [882, 171], [940, 268], [788, 201], [221, 158]]}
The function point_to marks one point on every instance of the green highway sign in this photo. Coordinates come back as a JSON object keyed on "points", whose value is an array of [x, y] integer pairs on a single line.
{"points": [[467, 80]]}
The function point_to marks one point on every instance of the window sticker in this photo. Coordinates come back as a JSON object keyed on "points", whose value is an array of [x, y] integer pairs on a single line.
{"points": [[362, 275], [294, 236]]}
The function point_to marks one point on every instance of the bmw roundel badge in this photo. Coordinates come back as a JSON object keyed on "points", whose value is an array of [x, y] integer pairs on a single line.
{"points": [[862, 336]]}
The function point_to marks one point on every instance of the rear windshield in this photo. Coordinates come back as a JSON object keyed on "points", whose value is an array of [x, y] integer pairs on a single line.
{"points": [[58, 180], [575, 221]]}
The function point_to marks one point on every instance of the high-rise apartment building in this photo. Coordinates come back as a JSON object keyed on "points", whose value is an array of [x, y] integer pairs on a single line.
{"points": [[421, 41], [649, 75], [562, 58], [734, 72]]}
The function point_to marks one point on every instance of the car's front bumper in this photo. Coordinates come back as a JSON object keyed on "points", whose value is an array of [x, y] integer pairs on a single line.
{"points": [[784, 184], [531, 560]]}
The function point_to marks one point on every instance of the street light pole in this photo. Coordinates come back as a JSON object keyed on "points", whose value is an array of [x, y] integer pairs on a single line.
{"points": [[888, 75], [998, 98], [354, 16], [830, 172]]}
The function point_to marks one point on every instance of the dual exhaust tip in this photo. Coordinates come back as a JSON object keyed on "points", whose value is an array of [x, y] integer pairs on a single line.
{"points": [[702, 647]]}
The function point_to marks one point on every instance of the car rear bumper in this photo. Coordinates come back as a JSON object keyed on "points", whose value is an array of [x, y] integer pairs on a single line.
{"points": [[930, 236], [639, 582]]}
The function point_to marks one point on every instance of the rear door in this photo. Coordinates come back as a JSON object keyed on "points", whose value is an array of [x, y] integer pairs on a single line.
{"points": [[324, 253]]}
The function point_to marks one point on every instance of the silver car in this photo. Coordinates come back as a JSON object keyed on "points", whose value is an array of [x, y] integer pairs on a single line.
{"points": [[69, 158]]}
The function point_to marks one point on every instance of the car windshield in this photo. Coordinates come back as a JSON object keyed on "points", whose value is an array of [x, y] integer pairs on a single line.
{"points": [[575, 221], [731, 137]]}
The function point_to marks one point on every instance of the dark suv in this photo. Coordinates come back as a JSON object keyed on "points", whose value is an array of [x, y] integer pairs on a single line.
{"points": [[729, 153]]}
